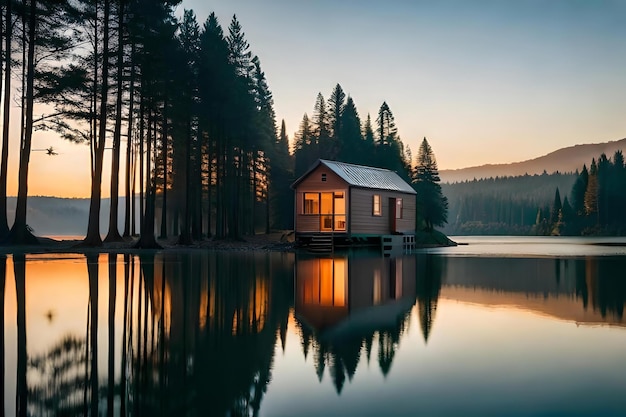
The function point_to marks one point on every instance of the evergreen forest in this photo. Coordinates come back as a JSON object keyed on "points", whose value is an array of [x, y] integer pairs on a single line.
{"points": [[501, 205], [587, 202], [596, 203], [187, 112]]}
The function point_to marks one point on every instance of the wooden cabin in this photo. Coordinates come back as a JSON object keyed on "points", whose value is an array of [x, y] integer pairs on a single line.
{"points": [[352, 202]]}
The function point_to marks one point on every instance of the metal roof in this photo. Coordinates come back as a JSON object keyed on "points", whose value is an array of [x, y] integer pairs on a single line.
{"points": [[364, 176]]}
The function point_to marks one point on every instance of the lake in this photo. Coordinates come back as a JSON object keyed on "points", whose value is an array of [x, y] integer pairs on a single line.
{"points": [[498, 327]]}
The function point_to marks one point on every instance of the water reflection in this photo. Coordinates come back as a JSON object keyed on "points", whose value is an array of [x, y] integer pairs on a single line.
{"points": [[584, 290], [201, 333], [19, 269], [343, 303], [206, 328]]}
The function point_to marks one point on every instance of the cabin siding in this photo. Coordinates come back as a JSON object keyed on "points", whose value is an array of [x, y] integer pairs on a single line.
{"points": [[313, 183], [362, 220]]}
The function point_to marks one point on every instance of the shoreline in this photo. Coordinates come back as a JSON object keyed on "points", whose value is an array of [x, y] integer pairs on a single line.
{"points": [[274, 242], [264, 243]]}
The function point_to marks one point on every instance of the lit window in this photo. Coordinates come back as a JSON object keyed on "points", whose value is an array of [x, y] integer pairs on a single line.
{"points": [[311, 203], [376, 208]]}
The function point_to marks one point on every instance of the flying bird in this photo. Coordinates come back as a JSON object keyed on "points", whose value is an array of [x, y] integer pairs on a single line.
{"points": [[49, 151]]}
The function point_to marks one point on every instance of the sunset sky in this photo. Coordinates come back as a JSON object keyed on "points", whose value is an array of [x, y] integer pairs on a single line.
{"points": [[484, 81]]}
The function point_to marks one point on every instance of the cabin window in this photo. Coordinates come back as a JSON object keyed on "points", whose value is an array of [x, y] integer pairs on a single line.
{"points": [[377, 210], [311, 203], [323, 177], [398, 208]]}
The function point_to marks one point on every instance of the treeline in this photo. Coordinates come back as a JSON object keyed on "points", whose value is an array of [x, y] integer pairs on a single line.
{"points": [[501, 205], [597, 203], [191, 102], [336, 132]]}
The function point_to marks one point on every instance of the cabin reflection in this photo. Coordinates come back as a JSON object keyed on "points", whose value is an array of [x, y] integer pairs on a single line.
{"points": [[344, 304]]}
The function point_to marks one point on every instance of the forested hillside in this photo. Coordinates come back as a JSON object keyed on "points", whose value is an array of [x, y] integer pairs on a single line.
{"points": [[499, 206], [567, 159], [597, 203]]}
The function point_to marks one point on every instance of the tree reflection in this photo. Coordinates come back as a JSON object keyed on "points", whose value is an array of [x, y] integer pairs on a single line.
{"points": [[19, 268], [3, 274], [201, 330], [213, 324], [59, 377], [430, 270], [92, 347], [345, 303], [601, 283], [111, 316], [125, 320]]}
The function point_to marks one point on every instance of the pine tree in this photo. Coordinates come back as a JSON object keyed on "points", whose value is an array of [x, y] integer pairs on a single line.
{"points": [[618, 185], [304, 147], [591, 193], [321, 128], [578, 192], [282, 177], [386, 126], [556, 207], [556, 214], [432, 205], [6, 108], [46, 42], [389, 152], [113, 234], [216, 83], [189, 130], [351, 145], [336, 105], [568, 218], [369, 142]]}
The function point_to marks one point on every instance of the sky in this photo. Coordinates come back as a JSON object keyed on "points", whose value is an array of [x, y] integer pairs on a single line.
{"points": [[485, 81]]}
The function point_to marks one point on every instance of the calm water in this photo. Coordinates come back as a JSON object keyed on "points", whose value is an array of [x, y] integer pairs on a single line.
{"points": [[502, 326]]}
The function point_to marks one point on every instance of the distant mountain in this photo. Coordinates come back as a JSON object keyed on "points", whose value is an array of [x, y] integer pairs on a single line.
{"points": [[563, 160], [53, 216]]}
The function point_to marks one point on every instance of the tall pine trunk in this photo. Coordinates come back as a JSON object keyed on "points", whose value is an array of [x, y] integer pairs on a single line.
{"points": [[209, 190], [113, 235], [130, 189], [196, 226], [164, 146], [185, 233], [147, 239], [93, 228], [142, 125], [4, 161], [20, 233]]}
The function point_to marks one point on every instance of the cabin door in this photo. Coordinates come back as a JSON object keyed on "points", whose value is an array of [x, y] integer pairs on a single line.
{"points": [[395, 213]]}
